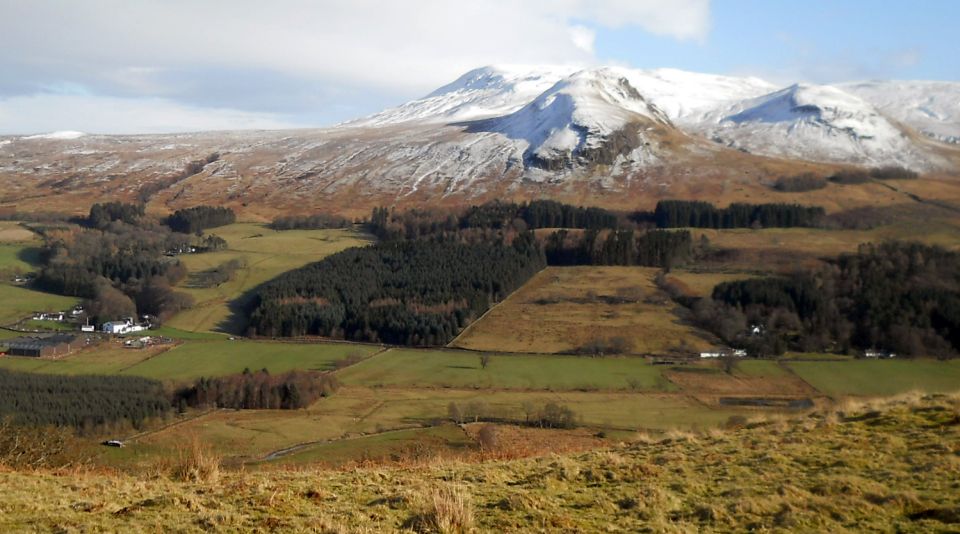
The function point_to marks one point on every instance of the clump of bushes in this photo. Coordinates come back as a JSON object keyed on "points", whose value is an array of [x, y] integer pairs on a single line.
{"points": [[309, 222], [850, 177], [800, 183], [602, 346], [892, 172]]}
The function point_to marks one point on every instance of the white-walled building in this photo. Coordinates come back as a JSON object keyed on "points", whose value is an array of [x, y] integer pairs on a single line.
{"points": [[126, 326]]}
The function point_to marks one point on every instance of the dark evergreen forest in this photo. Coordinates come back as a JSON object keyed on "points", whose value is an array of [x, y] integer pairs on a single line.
{"points": [[696, 214], [260, 390], [199, 218], [401, 292], [82, 402], [653, 248]]}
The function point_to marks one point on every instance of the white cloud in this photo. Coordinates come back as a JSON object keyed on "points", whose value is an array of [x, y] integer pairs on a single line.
{"points": [[682, 19], [411, 44], [110, 115], [583, 38], [183, 49]]}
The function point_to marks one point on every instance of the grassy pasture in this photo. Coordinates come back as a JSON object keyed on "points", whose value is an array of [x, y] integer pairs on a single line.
{"points": [[562, 308], [12, 232], [761, 368], [110, 358], [267, 254], [701, 284], [19, 254], [192, 359], [757, 381], [381, 446], [461, 369], [354, 411], [879, 377], [17, 302]]}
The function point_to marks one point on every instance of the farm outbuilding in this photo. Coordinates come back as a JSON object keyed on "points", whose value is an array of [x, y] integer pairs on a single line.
{"points": [[41, 346]]}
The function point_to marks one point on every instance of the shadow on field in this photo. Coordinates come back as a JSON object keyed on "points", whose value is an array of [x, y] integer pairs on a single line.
{"points": [[238, 321], [31, 255]]}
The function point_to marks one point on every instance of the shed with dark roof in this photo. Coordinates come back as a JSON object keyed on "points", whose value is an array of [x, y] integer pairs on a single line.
{"points": [[38, 346]]}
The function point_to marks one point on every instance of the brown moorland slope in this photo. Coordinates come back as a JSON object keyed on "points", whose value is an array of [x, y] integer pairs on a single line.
{"points": [[880, 466], [350, 170]]}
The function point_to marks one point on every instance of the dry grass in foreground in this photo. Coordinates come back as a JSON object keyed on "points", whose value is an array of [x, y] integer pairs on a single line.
{"points": [[890, 465]]}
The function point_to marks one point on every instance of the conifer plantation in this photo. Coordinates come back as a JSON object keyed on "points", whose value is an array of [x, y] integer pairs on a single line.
{"points": [[399, 292]]}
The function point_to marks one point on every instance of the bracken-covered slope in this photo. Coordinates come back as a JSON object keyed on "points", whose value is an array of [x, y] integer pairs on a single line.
{"points": [[889, 467]]}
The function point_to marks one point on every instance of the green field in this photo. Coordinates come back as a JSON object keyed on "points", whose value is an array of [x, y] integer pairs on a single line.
{"points": [[378, 446], [214, 358], [18, 257], [760, 368], [18, 302], [192, 359], [267, 253], [459, 369], [176, 333], [250, 435], [880, 377]]}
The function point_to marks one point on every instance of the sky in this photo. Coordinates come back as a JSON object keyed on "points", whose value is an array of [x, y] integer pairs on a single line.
{"points": [[151, 66]]}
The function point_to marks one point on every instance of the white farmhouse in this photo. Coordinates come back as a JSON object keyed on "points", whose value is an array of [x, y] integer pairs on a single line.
{"points": [[126, 326]]}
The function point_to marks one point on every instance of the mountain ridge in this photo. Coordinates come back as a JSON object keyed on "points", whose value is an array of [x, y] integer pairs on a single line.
{"points": [[610, 134]]}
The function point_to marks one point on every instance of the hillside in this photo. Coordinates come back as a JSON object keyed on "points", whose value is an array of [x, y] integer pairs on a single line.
{"points": [[890, 465], [618, 137]]}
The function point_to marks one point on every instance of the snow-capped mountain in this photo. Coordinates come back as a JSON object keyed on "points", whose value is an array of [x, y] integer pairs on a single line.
{"points": [[810, 122], [608, 134], [583, 116], [478, 94], [813, 122], [932, 108]]}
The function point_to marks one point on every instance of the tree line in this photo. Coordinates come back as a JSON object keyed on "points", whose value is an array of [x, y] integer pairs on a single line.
{"points": [[317, 221], [698, 214], [81, 402], [538, 214], [897, 297], [94, 404], [259, 390], [419, 292], [498, 216], [199, 218], [653, 248]]}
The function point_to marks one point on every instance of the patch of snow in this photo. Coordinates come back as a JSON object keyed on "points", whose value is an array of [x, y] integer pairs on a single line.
{"points": [[932, 108], [62, 135], [814, 122], [485, 92], [578, 112]]}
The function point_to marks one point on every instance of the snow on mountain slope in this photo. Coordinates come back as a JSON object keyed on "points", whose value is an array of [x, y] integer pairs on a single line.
{"points": [[63, 135], [686, 97], [932, 108], [481, 93], [813, 122], [578, 115], [502, 89]]}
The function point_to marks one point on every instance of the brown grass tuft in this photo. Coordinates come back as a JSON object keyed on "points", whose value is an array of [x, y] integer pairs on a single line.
{"points": [[196, 462], [446, 510]]}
